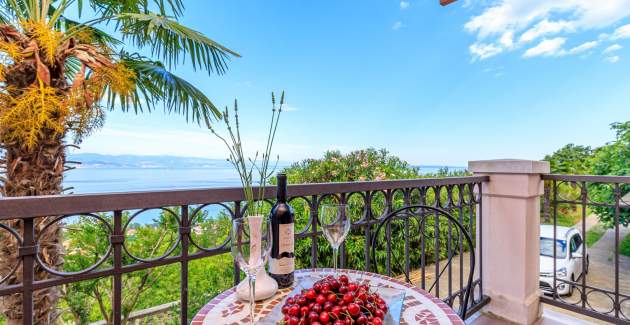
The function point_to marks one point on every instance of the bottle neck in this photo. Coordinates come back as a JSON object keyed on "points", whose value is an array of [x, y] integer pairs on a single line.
{"points": [[282, 188]]}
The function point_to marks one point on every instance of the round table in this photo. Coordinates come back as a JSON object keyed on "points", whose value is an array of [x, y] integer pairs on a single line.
{"points": [[419, 307]]}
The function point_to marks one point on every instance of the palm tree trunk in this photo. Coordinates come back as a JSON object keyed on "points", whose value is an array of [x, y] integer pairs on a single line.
{"points": [[38, 171]]}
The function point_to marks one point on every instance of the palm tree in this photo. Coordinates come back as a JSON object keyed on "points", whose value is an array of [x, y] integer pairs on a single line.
{"points": [[59, 76]]}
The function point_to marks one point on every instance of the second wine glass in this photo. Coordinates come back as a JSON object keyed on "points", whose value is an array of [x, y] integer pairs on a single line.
{"points": [[335, 222]]}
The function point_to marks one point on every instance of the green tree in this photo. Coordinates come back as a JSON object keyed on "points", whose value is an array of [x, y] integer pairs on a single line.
{"points": [[87, 240], [571, 159], [612, 159], [58, 76], [361, 165]]}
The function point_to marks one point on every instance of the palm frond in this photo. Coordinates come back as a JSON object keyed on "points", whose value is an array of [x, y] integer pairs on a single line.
{"points": [[72, 67], [5, 13], [19, 8], [98, 36], [114, 7], [155, 84], [174, 43]]}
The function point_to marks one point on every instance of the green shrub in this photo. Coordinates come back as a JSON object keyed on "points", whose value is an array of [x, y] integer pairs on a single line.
{"points": [[594, 234], [624, 247], [365, 165]]}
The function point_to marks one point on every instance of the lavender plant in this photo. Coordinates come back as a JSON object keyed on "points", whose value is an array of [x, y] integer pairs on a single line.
{"points": [[247, 167]]}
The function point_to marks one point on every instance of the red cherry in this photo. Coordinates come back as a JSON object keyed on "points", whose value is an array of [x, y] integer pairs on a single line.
{"points": [[335, 284], [304, 310], [339, 322], [285, 309], [377, 321], [343, 289], [313, 317], [379, 314], [344, 279], [324, 318], [352, 287], [302, 301], [332, 298], [317, 287], [294, 310], [336, 310], [361, 320], [294, 321], [354, 309], [316, 323], [317, 308], [290, 301], [328, 306], [310, 294], [325, 288], [348, 297], [320, 299]]}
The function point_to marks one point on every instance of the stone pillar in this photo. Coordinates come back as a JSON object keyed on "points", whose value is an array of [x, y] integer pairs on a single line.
{"points": [[511, 236]]}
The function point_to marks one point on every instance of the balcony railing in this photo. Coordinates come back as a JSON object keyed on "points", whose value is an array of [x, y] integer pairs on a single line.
{"points": [[373, 200], [600, 293]]}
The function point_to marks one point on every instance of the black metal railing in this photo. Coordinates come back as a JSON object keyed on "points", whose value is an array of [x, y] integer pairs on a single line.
{"points": [[372, 201], [578, 210]]}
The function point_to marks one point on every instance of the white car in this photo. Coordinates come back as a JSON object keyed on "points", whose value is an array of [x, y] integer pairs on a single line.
{"points": [[569, 257]]}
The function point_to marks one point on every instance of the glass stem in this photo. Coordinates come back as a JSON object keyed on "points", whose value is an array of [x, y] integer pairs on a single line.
{"points": [[335, 253], [252, 295]]}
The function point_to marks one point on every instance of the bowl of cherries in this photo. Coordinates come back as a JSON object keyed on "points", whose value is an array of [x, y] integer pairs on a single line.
{"points": [[336, 301]]}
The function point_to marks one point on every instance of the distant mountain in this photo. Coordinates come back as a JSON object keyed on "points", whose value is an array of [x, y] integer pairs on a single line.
{"points": [[94, 160]]}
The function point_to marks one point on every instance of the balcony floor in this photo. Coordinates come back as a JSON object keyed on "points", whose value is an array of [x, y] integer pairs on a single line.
{"points": [[550, 317]]}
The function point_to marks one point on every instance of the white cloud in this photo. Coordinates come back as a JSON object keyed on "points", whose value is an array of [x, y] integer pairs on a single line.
{"points": [[613, 59], [583, 47], [289, 108], [397, 25], [507, 39], [543, 28], [547, 47], [529, 20], [612, 48], [621, 32], [483, 51], [404, 5]]}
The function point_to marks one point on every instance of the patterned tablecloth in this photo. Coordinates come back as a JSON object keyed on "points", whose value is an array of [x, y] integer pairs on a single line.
{"points": [[419, 307]]}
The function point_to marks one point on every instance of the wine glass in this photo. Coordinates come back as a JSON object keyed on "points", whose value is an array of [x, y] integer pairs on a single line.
{"points": [[251, 244], [335, 222]]}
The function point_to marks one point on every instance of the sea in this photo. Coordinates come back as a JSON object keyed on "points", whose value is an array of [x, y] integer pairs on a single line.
{"points": [[90, 180], [105, 180]]}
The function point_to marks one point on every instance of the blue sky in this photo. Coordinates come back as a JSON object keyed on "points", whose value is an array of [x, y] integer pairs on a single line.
{"points": [[434, 85]]}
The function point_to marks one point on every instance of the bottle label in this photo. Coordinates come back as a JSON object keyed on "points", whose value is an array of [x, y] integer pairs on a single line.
{"points": [[285, 263]]}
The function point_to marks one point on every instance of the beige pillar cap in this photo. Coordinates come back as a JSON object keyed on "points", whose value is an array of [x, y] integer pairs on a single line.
{"points": [[509, 166]]}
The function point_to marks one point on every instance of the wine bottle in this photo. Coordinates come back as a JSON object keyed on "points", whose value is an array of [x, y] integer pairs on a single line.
{"points": [[282, 261]]}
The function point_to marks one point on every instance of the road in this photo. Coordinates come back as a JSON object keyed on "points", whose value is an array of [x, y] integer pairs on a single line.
{"points": [[602, 274]]}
